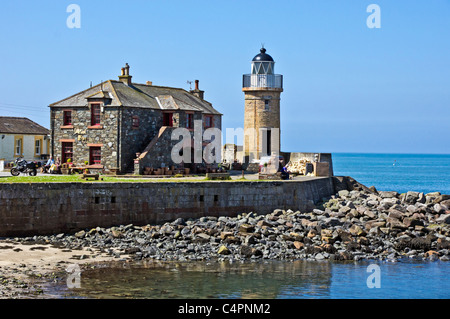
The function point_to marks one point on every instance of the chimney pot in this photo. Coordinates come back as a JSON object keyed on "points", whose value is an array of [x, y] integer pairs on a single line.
{"points": [[125, 77], [196, 85]]}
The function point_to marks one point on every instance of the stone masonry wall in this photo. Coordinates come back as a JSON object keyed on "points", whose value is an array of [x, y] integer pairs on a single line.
{"points": [[82, 135], [51, 208]]}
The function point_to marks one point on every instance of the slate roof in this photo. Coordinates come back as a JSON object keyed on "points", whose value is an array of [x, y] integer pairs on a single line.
{"points": [[21, 125], [140, 95]]}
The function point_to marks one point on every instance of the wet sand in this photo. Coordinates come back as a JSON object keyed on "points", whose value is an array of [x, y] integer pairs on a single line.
{"points": [[26, 270]]}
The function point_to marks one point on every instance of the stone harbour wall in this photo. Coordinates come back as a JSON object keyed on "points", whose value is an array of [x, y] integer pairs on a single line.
{"points": [[52, 208]]}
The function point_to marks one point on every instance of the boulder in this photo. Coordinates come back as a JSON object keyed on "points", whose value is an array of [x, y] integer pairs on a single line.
{"points": [[246, 228], [344, 193], [443, 218], [299, 245], [441, 198], [411, 197], [387, 194], [223, 250], [356, 230]]}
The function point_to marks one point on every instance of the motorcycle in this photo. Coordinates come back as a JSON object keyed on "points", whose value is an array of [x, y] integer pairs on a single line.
{"points": [[24, 167]]}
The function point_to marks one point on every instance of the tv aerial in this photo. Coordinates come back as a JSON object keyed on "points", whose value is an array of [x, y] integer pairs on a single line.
{"points": [[190, 84]]}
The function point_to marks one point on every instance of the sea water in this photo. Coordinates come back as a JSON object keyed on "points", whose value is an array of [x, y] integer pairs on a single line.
{"points": [[297, 279], [396, 172]]}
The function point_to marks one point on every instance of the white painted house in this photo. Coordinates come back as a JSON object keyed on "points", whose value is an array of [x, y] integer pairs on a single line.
{"points": [[20, 136]]}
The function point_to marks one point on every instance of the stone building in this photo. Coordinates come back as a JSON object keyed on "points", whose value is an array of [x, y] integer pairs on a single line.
{"points": [[110, 125]]}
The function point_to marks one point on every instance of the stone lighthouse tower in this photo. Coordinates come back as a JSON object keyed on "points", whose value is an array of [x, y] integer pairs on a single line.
{"points": [[262, 89]]}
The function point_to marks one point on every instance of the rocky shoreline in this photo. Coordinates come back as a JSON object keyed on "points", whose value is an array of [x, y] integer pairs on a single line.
{"points": [[352, 225]]}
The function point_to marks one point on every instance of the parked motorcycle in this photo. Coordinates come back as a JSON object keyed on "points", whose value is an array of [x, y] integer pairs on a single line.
{"points": [[24, 167]]}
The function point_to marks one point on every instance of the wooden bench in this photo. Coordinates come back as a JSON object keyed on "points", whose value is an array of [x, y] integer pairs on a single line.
{"points": [[96, 176]]}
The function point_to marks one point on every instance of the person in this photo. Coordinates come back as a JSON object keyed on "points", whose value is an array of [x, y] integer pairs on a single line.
{"points": [[284, 173], [54, 168], [47, 166]]}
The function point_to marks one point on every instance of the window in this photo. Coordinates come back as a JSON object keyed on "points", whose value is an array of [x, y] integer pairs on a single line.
{"points": [[190, 120], [67, 118], [167, 119], [135, 122], [95, 114], [95, 155], [266, 105], [37, 147], [208, 121], [18, 146], [67, 151]]}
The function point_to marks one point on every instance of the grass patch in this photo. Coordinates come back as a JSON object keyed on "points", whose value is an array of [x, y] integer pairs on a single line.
{"points": [[77, 179]]}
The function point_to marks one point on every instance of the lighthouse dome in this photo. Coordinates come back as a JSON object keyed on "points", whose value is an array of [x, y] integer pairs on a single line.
{"points": [[262, 57]]}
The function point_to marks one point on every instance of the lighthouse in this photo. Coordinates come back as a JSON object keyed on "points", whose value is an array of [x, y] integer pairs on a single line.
{"points": [[262, 89]]}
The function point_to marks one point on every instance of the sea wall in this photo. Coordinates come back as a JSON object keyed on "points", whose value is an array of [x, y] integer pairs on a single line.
{"points": [[51, 208]]}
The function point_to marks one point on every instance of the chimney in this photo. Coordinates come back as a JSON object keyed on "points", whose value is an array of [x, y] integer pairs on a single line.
{"points": [[125, 77], [149, 83], [197, 92]]}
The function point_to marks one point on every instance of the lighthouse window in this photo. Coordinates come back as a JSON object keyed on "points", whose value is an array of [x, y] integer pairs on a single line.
{"points": [[266, 105]]}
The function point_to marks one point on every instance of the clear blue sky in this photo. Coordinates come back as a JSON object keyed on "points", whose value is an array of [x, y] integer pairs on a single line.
{"points": [[347, 88]]}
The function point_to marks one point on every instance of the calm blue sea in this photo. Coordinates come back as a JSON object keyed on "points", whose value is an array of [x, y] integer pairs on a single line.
{"points": [[396, 172]]}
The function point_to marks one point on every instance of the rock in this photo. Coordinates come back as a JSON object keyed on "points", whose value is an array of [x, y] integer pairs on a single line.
{"points": [[319, 256], [387, 194], [80, 234], [179, 221], [412, 222], [223, 250], [345, 209], [343, 193], [356, 230], [444, 219], [374, 223], [432, 255], [393, 213], [264, 222], [312, 233], [226, 234], [246, 228], [369, 214], [277, 212], [296, 236], [298, 245], [332, 222], [326, 233], [344, 236], [202, 238], [411, 197], [445, 203], [116, 233], [395, 223], [441, 198], [232, 240], [438, 208], [412, 209]]}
